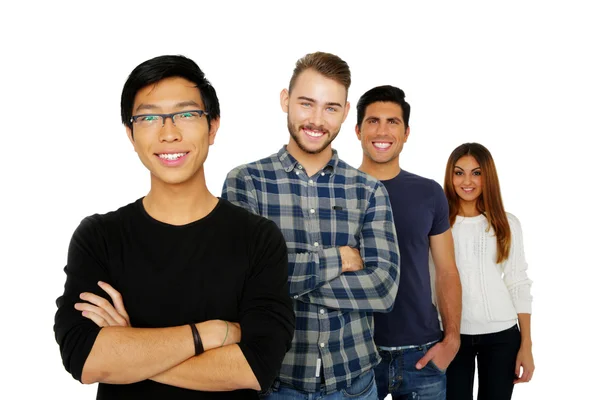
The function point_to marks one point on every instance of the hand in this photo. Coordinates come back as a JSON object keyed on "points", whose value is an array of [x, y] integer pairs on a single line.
{"points": [[442, 354], [524, 362], [351, 259], [101, 311], [216, 333]]}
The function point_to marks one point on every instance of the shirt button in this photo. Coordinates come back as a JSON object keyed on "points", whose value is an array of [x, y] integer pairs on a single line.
{"points": [[322, 173], [322, 345], [316, 244], [295, 296], [310, 182], [297, 172], [322, 311], [312, 210], [299, 166]]}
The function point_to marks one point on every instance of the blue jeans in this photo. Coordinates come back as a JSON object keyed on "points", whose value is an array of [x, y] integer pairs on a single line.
{"points": [[362, 388], [397, 375]]}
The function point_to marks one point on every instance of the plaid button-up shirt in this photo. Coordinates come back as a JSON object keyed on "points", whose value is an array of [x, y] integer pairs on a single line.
{"points": [[338, 206]]}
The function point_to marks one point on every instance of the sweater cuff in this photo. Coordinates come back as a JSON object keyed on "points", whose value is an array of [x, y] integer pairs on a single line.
{"points": [[523, 307]]}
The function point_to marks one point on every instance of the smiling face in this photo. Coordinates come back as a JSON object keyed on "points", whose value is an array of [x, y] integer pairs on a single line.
{"points": [[467, 179], [316, 109], [382, 132], [173, 154]]}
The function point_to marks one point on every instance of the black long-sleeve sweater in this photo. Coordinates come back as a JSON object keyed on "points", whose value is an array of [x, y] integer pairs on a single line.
{"points": [[230, 265]]}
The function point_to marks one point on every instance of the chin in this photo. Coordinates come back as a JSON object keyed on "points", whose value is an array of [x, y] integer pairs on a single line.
{"points": [[172, 179]]}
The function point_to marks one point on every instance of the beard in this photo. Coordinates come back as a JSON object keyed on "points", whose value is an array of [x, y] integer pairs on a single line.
{"points": [[295, 134]]}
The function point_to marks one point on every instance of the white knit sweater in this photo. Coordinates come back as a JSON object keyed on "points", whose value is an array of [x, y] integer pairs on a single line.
{"points": [[493, 293]]}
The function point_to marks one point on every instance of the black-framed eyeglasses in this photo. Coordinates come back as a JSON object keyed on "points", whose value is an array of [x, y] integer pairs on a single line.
{"points": [[181, 119]]}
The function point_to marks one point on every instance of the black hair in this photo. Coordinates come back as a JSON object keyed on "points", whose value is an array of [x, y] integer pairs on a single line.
{"points": [[385, 93], [159, 68]]}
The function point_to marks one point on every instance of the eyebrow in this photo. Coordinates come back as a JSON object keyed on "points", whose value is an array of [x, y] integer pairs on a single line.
{"points": [[456, 166], [146, 107], [387, 119], [329, 103], [153, 107]]}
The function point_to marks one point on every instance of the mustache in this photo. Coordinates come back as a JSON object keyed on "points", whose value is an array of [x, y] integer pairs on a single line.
{"points": [[312, 127]]}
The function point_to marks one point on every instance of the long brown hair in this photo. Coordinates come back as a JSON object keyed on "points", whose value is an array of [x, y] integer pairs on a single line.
{"points": [[489, 202]]}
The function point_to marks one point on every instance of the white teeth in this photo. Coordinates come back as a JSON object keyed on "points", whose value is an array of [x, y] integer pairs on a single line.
{"points": [[314, 133], [380, 145], [171, 156]]}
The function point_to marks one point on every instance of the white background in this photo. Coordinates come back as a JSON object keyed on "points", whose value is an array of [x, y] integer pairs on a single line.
{"points": [[520, 77]]}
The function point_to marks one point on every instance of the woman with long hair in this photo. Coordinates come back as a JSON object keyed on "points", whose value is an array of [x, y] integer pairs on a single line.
{"points": [[489, 253]]}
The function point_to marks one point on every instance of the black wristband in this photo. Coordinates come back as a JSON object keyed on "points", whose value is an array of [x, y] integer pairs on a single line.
{"points": [[197, 341]]}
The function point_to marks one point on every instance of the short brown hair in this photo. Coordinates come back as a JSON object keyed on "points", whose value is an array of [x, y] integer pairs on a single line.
{"points": [[327, 64]]}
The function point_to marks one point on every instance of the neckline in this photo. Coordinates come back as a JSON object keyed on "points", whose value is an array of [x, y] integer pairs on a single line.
{"points": [[397, 177], [478, 218], [140, 205]]}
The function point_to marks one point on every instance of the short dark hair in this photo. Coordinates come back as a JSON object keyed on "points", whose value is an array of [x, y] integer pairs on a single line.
{"points": [[386, 93], [159, 68], [327, 64]]}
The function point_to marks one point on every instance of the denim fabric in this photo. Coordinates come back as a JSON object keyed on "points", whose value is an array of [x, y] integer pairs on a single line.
{"points": [[362, 388], [398, 375]]}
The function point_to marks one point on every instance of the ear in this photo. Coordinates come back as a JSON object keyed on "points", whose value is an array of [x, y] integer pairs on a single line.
{"points": [[130, 135], [214, 127], [357, 130], [346, 109], [406, 134], [284, 98]]}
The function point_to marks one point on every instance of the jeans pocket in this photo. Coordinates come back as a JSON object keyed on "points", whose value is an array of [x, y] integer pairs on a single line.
{"points": [[361, 387], [433, 366]]}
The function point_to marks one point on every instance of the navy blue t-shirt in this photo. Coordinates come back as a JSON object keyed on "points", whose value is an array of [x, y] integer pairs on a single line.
{"points": [[420, 210]]}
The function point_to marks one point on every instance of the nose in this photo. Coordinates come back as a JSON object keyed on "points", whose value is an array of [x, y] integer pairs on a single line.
{"points": [[169, 132], [381, 130], [316, 117], [467, 179]]}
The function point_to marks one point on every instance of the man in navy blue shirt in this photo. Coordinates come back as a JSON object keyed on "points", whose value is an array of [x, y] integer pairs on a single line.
{"points": [[415, 353]]}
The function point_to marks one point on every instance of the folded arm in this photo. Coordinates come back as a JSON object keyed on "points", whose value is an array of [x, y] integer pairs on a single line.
{"points": [[266, 316], [267, 325], [307, 270], [113, 352], [374, 287]]}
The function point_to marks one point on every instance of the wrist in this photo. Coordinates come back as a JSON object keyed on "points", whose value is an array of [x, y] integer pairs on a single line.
{"points": [[198, 347], [452, 339], [208, 334], [526, 344]]}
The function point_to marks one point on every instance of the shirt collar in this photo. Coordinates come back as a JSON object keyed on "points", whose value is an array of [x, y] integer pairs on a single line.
{"points": [[289, 162]]}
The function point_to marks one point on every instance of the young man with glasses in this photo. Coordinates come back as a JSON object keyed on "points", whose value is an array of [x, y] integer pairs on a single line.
{"points": [[180, 294], [342, 248]]}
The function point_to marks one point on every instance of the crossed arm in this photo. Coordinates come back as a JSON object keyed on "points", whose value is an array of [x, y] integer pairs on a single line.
{"points": [[343, 278], [166, 355], [98, 344]]}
